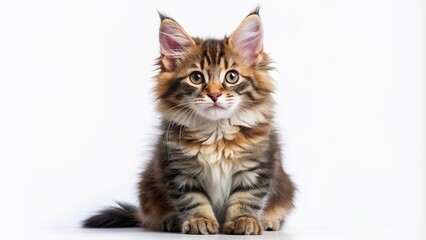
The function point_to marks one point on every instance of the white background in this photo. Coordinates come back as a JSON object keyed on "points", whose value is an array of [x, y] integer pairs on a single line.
{"points": [[77, 120]]}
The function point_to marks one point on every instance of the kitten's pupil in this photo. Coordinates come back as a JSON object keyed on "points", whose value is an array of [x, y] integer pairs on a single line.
{"points": [[197, 77]]}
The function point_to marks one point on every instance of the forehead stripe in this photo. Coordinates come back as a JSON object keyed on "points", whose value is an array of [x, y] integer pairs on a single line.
{"points": [[206, 54]]}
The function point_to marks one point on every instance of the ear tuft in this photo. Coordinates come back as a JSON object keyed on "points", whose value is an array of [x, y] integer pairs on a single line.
{"points": [[255, 11], [162, 16], [247, 39], [174, 42]]}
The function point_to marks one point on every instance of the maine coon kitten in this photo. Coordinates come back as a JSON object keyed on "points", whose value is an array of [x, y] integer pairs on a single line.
{"points": [[217, 165]]}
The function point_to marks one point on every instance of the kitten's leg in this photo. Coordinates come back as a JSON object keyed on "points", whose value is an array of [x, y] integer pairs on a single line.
{"points": [[193, 206], [156, 209], [280, 202], [186, 210], [245, 207], [180, 206]]}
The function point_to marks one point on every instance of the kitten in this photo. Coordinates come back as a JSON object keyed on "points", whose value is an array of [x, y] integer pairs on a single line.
{"points": [[217, 164]]}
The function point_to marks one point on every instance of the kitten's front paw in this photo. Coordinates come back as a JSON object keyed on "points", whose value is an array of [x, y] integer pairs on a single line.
{"points": [[243, 225], [200, 226]]}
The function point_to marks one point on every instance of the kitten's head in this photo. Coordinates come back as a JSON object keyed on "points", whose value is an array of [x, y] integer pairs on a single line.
{"points": [[214, 79]]}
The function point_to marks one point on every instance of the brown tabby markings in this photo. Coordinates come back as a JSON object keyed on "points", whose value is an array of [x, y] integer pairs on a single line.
{"points": [[234, 148], [217, 173]]}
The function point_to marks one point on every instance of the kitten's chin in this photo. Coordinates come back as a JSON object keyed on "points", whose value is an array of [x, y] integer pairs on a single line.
{"points": [[215, 113]]}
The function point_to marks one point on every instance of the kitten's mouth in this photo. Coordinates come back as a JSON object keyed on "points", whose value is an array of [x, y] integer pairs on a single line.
{"points": [[215, 106], [216, 111]]}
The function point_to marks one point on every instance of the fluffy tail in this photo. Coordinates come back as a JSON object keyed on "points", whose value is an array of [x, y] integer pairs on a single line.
{"points": [[124, 215]]}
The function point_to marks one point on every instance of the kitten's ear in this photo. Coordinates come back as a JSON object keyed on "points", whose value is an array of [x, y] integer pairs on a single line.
{"points": [[174, 42], [247, 39]]}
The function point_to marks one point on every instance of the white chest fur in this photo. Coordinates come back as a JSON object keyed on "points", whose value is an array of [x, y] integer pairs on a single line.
{"points": [[217, 160], [217, 168], [217, 182]]}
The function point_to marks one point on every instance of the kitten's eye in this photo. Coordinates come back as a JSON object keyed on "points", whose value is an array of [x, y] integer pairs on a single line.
{"points": [[196, 77], [232, 77]]}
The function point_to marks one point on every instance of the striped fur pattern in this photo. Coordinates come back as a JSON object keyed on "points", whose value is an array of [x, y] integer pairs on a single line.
{"points": [[217, 164]]}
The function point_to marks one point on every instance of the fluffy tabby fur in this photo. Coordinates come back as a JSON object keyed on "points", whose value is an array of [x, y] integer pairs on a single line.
{"points": [[217, 164]]}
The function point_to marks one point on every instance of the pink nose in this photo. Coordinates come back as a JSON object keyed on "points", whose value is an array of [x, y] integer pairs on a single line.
{"points": [[214, 96]]}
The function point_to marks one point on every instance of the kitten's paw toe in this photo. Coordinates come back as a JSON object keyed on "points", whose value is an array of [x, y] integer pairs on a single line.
{"points": [[200, 226], [171, 223], [272, 223], [243, 225]]}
